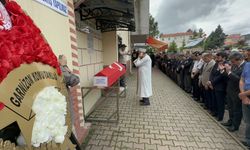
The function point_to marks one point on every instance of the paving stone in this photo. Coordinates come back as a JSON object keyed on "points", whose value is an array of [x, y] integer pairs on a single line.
{"points": [[191, 144], [150, 147], [94, 147], [139, 135], [142, 140], [134, 140], [167, 142], [149, 136], [104, 143], [179, 143], [153, 141], [122, 139], [139, 146], [128, 145], [129, 134], [160, 136], [161, 147], [172, 121], [203, 144]]}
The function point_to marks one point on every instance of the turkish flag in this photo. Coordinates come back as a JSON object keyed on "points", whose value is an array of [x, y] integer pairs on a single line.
{"points": [[156, 44]]}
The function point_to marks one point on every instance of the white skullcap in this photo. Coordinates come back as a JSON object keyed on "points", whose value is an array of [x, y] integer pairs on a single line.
{"points": [[143, 50]]}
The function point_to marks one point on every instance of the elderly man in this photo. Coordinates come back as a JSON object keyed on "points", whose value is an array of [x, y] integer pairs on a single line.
{"points": [[207, 69], [144, 87], [234, 71], [123, 60]]}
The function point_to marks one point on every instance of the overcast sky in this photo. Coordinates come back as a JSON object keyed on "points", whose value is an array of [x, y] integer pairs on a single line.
{"points": [[180, 15]]}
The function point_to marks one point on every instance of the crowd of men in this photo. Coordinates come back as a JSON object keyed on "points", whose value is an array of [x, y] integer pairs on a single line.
{"points": [[216, 80]]}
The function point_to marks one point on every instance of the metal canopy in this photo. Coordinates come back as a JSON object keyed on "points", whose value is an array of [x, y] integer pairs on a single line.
{"points": [[110, 15]]}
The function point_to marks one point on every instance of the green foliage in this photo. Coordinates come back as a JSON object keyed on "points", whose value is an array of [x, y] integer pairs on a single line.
{"points": [[215, 39], [241, 43], [200, 33], [183, 45], [195, 34], [153, 27], [150, 49], [173, 47]]}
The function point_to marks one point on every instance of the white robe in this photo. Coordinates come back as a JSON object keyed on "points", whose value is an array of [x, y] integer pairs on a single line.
{"points": [[144, 83]]}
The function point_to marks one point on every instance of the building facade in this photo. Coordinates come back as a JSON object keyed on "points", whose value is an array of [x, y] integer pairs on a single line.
{"points": [[178, 38], [232, 39]]}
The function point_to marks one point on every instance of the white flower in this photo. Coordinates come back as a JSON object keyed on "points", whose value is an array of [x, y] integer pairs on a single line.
{"points": [[50, 107]]}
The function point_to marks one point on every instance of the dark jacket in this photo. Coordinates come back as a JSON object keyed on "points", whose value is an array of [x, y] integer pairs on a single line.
{"points": [[218, 80], [234, 79], [187, 64]]}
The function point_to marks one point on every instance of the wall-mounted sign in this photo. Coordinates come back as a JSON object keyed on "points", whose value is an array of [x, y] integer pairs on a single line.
{"points": [[56, 5]]}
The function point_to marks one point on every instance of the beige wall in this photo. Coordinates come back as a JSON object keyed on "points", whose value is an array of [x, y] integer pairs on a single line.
{"points": [[110, 47], [54, 26], [90, 62]]}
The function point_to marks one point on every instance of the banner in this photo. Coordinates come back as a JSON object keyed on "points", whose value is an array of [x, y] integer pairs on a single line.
{"points": [[56, 5]]}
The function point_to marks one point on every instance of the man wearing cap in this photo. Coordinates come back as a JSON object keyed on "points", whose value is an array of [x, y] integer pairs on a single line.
{"points": [[123, 60], [144, 83]]}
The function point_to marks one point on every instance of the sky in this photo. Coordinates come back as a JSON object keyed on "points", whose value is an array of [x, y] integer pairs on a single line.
{"points": [[180, 15]]}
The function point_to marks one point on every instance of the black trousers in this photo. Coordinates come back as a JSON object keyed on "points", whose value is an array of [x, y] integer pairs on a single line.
{"points": [[234, 108], [220, 103], [207, 98], [123, 79], [187, 83], [213, 103], [196, 89]]}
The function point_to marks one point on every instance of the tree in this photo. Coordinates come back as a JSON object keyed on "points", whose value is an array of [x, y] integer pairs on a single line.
{"points": [[153, 27], [183, 45], [195, 34], [200, 33], [215, 39], [241, 43], [173, 47]]}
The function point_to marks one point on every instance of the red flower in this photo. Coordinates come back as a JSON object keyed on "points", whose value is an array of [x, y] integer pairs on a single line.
{"points": [[13, 8], [23, 43], [1, 106]]}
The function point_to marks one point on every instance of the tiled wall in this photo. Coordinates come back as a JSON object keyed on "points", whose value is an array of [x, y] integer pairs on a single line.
{"points": [[90, 63]]}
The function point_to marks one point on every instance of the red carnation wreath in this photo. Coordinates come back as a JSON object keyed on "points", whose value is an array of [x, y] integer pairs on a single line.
{"points": [[23, 43]]}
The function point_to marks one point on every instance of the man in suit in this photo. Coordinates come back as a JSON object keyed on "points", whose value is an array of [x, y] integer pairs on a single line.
{"points": [[234, 71], [187, 74], [218, 82], [207, 69], [196, 69]]}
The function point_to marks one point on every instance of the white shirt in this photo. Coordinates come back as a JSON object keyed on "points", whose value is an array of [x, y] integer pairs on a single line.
{"points": [[197, 65], [123, 56]]}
